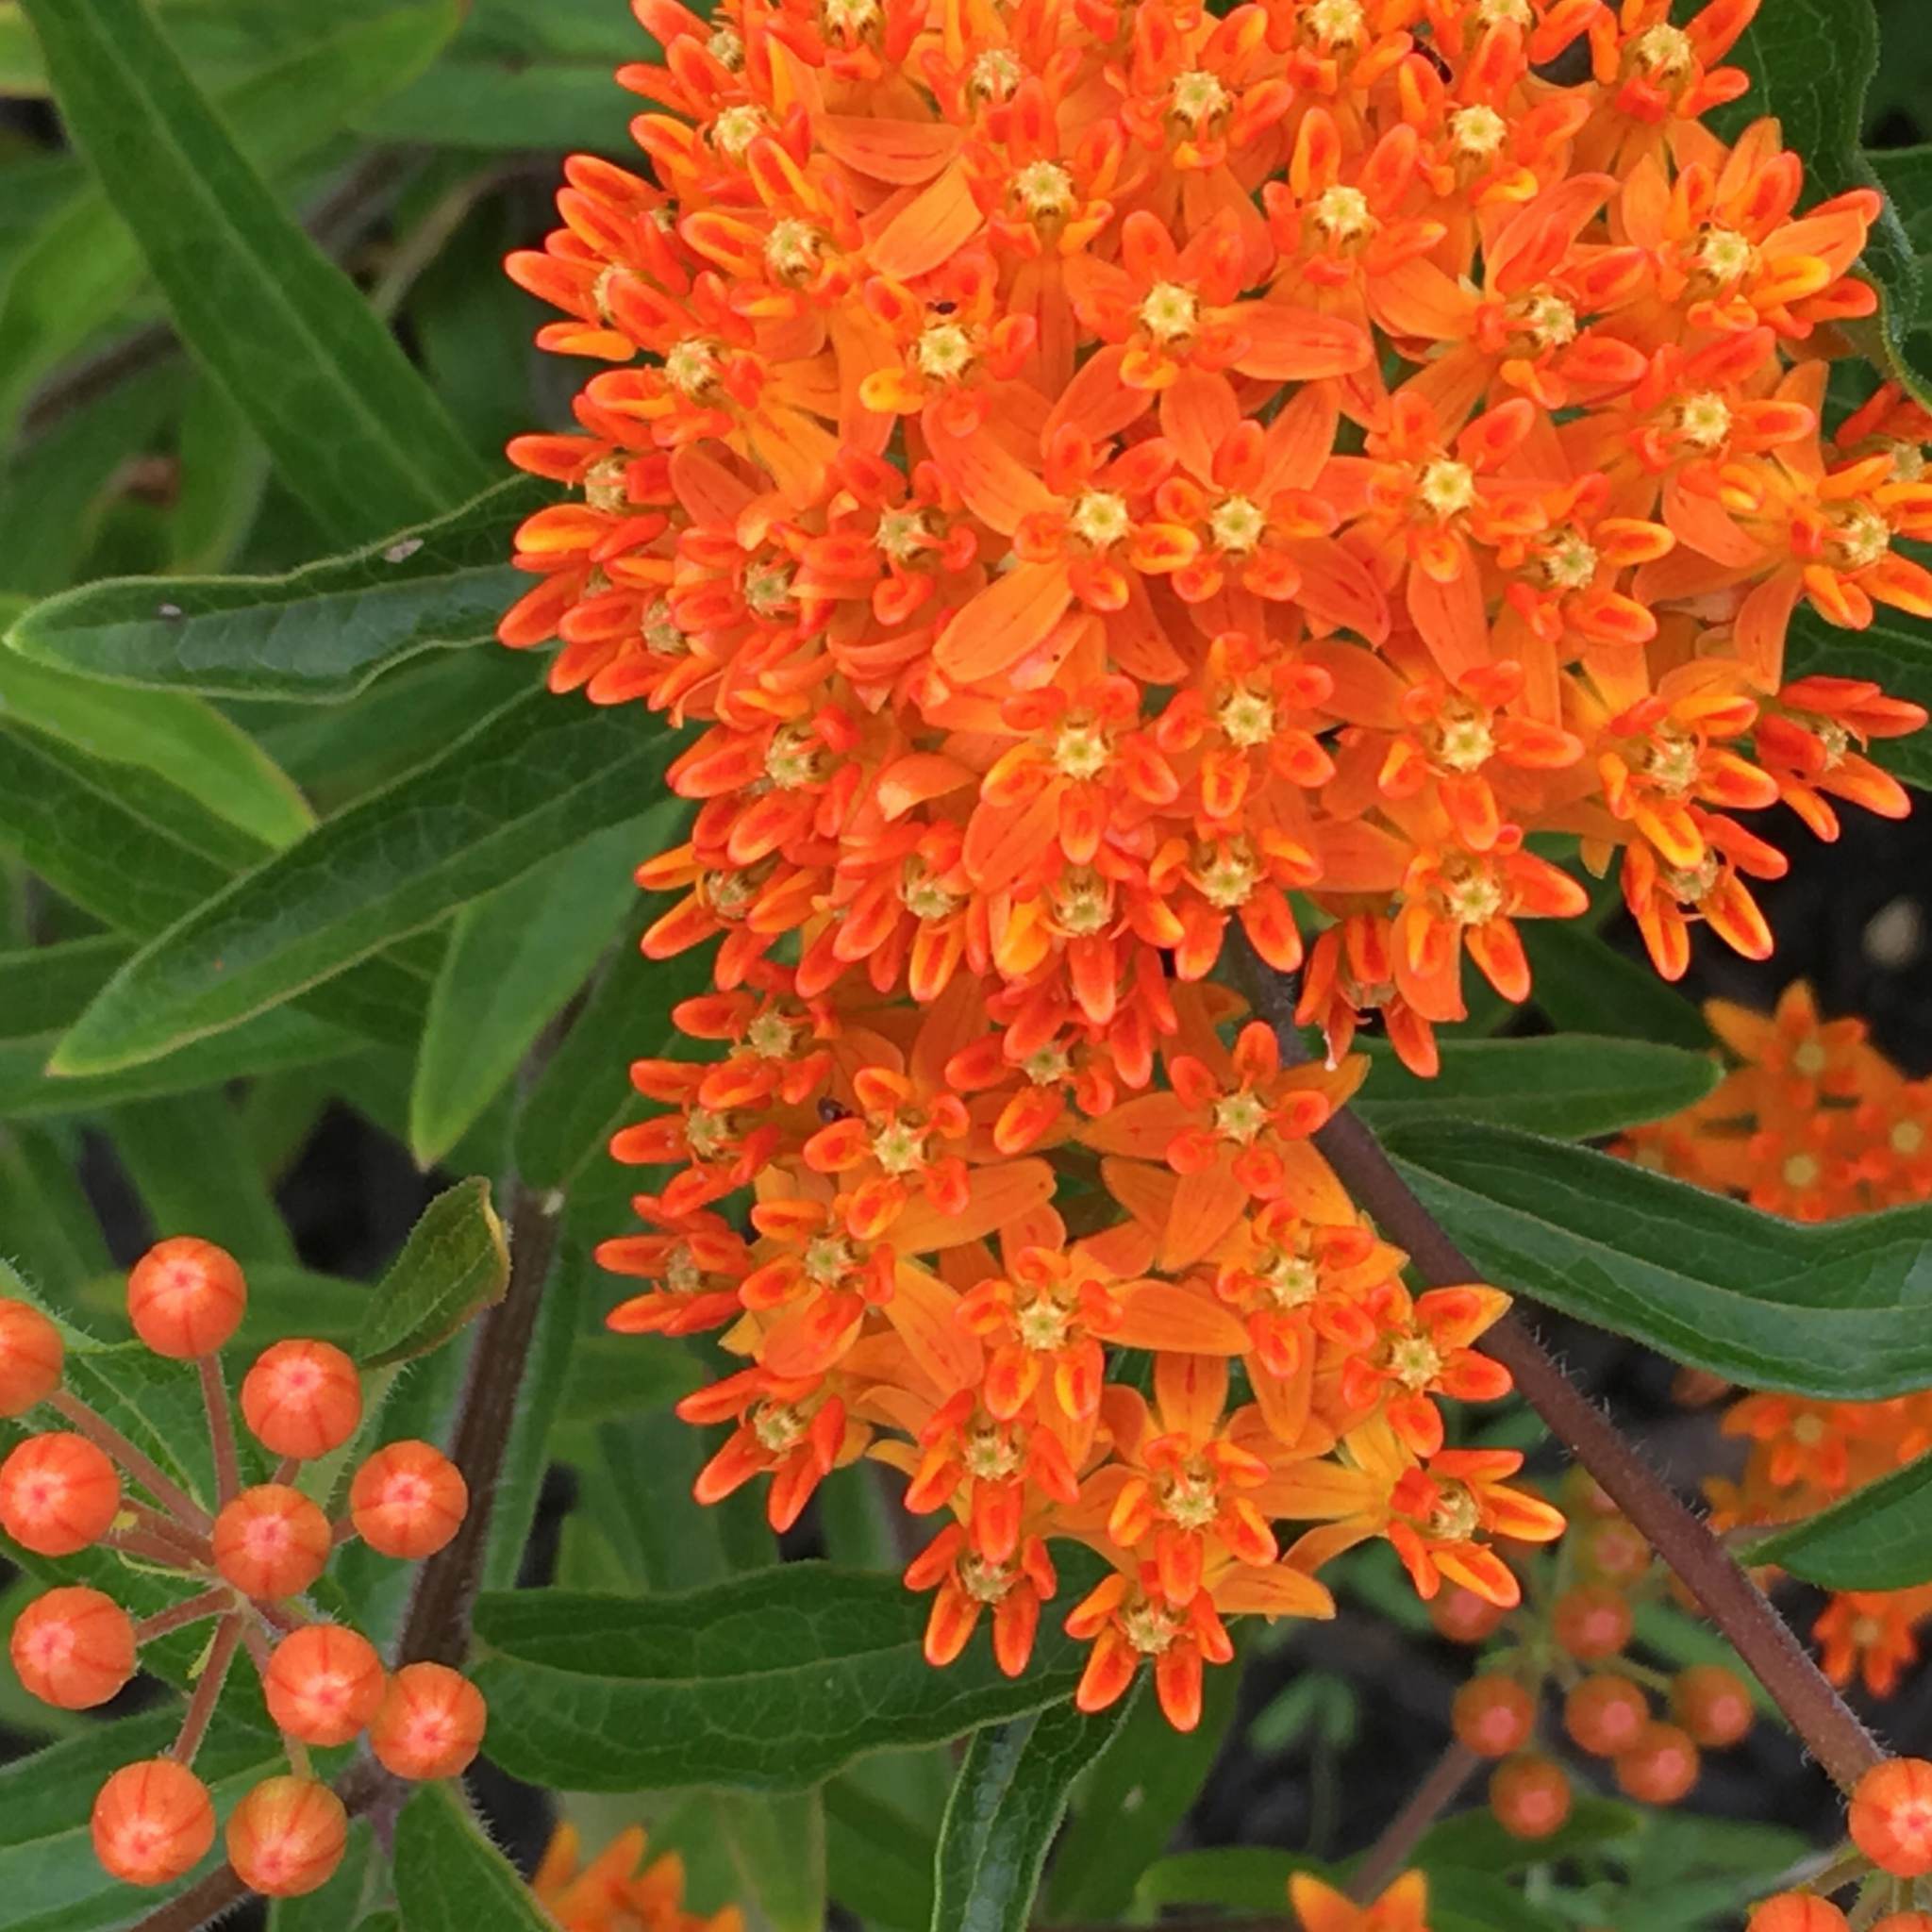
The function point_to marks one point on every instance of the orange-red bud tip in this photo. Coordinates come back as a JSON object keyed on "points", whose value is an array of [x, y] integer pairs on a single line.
{"points": [[31, 1357], [323, 1683], [302, 1399], [73, 1648], [271, 1541], [153, 1823], [185, 1297], [58, 1494], [408, 1500], [286, 1837], [1891, 1816], [430, 1723]]}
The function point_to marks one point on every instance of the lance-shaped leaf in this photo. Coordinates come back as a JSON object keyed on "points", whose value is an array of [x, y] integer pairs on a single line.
{"points": [[1571, 1086], [1880, 1537], [287, 334], [773, 1680], [321, 633], [1584, 985], [450, 1878], [1836, 1310], [528, 781], [1007, 1803], [455, 1261]]}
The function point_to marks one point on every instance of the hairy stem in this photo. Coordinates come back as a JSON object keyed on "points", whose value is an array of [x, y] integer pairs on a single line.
{"points": [[220, 1428], [142, 1469], [193, 1609], [1387, 1856], [437, 1630], [208, 1688], [1819, 1716]]}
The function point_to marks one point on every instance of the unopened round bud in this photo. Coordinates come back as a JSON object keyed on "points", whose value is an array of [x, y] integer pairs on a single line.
{"points": [[1891, 1816], [1463, 1616], [286, 1837], [1605, 1715], [1797, 1912], [1714, 1705], [408, 1500], [31, 1357], [1493, 1715], [271, 1541], [302, 1399], [73, 1648], [1661, 1767], [153, 1821], [323, 1683], [1904, 1922], [1592, 1622], [430, 1723], [185, 1297], [1530, 1796], [58, 1494]]}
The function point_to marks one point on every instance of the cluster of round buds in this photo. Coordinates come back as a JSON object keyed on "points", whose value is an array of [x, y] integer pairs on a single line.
{"points": [[1113, 479], [1811, 1121], [1891, 1826], [1570, 1641], [249, 1558]]}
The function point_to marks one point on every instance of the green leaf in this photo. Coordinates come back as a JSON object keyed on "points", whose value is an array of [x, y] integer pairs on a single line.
{"points": [[319, 634], [881, 1860], [284, 331], [1583, 984], [337, 1903], [1810, 62], [1896, 652], [43, 988], [50, 1226], [1243, 1878], [1836, 1310], [514, 959], [1473, 1840], [1568, 1085], [1007, 1803], [180, 738], [49, 1877], [450, 1878], [137, 854], [776, 1845], [526, 782], [1134, 1802], [1880, 1537], [585, 1095], [772, 1681], [81, 267], [455, 1262]]}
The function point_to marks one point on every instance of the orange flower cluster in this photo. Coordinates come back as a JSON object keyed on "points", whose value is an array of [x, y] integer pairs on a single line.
{"points": [[617, 1891], [1813, 1122], [1096, 471], [251, 1562]]}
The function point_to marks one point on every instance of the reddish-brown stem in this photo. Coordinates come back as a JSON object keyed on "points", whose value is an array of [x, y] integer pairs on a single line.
{"points": [[193, 1609], [220, 1428], [208, 1688], [1387, 1856], [278, 1616], [141, 1469], [287, 1470], [1765, 1642], [150, 1549], [197, 1551], [344, 1532]]}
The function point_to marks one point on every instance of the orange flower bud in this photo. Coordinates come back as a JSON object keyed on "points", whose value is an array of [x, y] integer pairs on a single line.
{"points": [[1530, 1796], [1714, 1705], [31, 1357], [1905, 1922], [153, 1821], [323, 1683], [1604, 1715], [1493, 1715], [58, 1494], [408, 1500], [1891, 1816], [73, 1648], [430, 1723], [185, 1297], [1591, 1622], [1463, 1616], [1660, 1767], [271, 1541], [1797, 1912], [287, 1837], [302, 1399]]}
